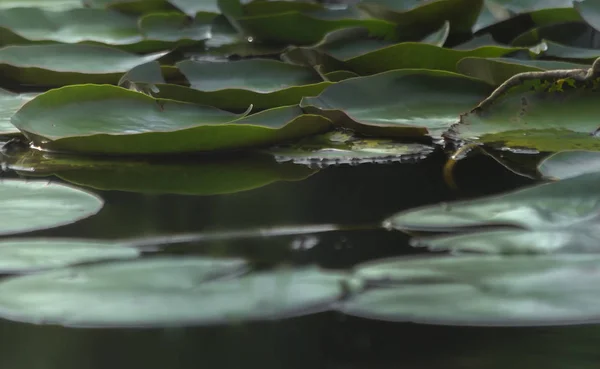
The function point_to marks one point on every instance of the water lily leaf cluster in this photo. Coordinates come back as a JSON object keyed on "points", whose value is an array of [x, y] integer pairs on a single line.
{"points": [[104, 94]]}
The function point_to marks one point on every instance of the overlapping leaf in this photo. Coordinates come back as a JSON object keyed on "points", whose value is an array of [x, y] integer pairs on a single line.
{"points": [[64, 64], [404, 102], [9, 104], [110, 119]]}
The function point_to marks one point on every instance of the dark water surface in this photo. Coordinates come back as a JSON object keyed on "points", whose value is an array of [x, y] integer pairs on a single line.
{"points": [[360, 195]]}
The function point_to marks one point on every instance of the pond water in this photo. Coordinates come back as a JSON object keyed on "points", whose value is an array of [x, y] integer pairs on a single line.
{"points": [[356, 197]]}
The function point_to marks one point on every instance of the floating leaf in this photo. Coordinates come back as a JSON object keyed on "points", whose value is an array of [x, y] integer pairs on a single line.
{"points": [[547, 206], [556, 50], [413, 102], [417, 55], [567, 164], [578, 240], [150, 33], [110, 119], [235, 85], [337, 148], [576, 34], [63, 64], [481, 290], [497, 70], [197, 176], [542, 119], [34, 205], [163, 292], [297, 28], [22, 255], [9, 104], [424, 17], [42, 4], [255, 75]]}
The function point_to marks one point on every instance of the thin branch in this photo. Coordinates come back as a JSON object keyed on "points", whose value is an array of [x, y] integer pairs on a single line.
{"points": [[579, 75]]}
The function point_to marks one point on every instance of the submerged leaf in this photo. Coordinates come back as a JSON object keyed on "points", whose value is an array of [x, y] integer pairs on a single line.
{"points": [[481, 290], [196, 176], [337, 148], [34, 205], [163, 292]]}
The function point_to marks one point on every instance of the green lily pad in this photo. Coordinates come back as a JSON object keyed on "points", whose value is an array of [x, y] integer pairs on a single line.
{"points": [[535, 120], [547, 206], [262, 76], [233, 86], [567, 164], [172, 291], [418, 55], [560, 51], [579, 240], [511, 25], [110, 119], [577, 34], [42, 4], [153, 32], [338, 147], [9, 104], [197, 176], [427, 16], [413, 102], [132, 6], [34, 205], [590, 12], [497, 70], [22, 255], [481, 290], [294, 27], [64, 64]]}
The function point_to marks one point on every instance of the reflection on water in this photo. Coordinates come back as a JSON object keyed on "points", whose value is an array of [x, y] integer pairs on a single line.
{"points": [[361, 195]]}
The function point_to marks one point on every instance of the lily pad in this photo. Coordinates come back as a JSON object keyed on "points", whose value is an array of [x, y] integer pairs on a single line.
{"points": [[412, 102], [109, 119], [64, 64], [42, 4], [577, 34], [578, 240], [565, 203], [424, 17], [481, 290], [567, 164], [233, 86], [196, 176], [9, 104], [536, 119], [34, 205], [22, 255], [560, 51], [262, 76], [338, 147], [418, 55], [294, 27], [497, 70], [164, 292]]}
